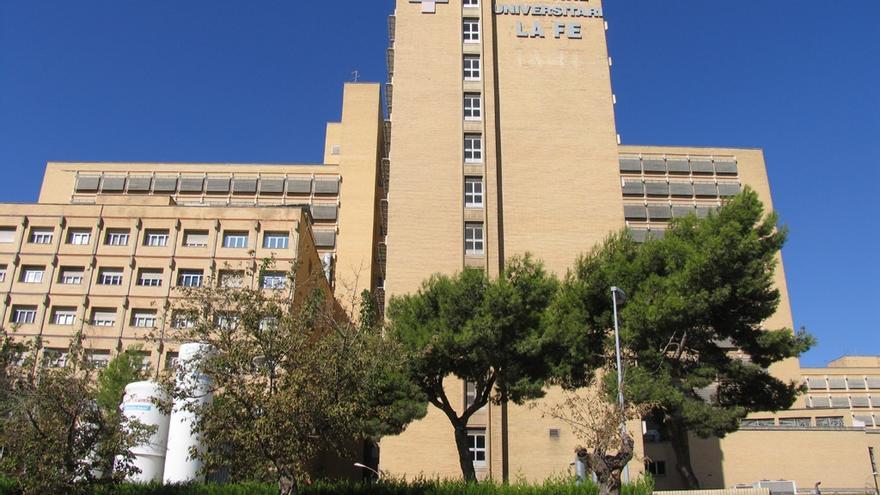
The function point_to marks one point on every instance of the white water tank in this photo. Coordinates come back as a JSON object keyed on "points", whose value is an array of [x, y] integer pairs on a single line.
{"points": [[138, 404], [179, 467]]}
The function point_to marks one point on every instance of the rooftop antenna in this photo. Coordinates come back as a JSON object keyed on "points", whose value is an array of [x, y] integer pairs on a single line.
{"points": [[355, 76]]}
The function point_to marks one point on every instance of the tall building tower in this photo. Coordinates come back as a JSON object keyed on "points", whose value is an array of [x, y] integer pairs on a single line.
{"points": [[503, 142]]}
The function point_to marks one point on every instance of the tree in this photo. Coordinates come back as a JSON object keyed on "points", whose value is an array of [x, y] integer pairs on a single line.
{"points": [[595, 418], [123, 369], [56, 437], [696, 295], [486, 332], [294, 375]]}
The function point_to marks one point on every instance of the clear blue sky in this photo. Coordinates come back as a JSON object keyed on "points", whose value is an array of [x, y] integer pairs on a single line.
{"points": [[255, 81]]}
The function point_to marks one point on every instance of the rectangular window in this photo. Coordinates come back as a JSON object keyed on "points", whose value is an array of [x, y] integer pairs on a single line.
{"points": [[656, 468], [104, 317], [471, 3], [477, 446], [110, 276], [79, 237], [143, 318], [99, 359], [269, 324], [470, 394], [276, 240], [190, 278], [235, 240], [32, 274], [171, 360], [2, 273], [471, 30], [182, 320], [195, 238], [471, 65], [226, 321], [142, 358], [274, 280], [473, 148], [64, 316], [473, 238], [758, 423], [71, 275], [473, 106], [117, 237], [150, 277], [795, 422], [7, 235], [24, 315], [156, 238], [231, 279], [41, 235], [830, 422], [54, 358], [473, 192]]}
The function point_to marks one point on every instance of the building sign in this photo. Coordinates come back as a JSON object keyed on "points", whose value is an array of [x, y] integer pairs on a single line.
{"points": [[557, 29], [429, 6]]}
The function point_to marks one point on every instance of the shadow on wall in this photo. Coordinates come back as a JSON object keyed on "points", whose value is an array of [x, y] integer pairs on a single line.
{"points": [[706, 457]]}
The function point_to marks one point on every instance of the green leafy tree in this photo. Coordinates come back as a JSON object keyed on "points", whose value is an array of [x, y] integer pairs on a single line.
{"points": [[487, 332], [295, 378], [702, 291], [56, 437], [125, 368]]}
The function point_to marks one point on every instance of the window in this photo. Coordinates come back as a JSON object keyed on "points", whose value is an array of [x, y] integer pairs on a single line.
{"points": [[71, 275], [99, 359], [54, 358], [226, 321], [473, 238], [830, 422], [143, 318], [79, 237], [473, 106], [269, 324], [470, 394], [195, 238], [117, 237], [182, 320], [110, 276], [473, 148], [41, 235], [143, 358], [471, 30], [274, 280], [24, 315], [64, 316], [757, 423], [471, 67], [32, 274], [230, 279], [156, 238], [275, 240], [104, 317], [657, 468], [477, 446], [2, 273], [795, 422], [150, 277], [190, 278], [7, 235], [171, 360], [473, 192], [471, 3], [235, 240]]}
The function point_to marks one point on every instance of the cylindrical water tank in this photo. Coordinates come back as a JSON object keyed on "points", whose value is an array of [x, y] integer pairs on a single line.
{"points": [[139, 404], [179, 466]]}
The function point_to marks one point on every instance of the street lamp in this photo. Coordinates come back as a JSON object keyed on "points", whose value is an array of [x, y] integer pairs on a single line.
{"points": [[619, 297], [368, 468]]}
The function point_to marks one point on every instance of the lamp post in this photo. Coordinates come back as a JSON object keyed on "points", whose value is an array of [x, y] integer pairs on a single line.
{"points": [[619, 295]]}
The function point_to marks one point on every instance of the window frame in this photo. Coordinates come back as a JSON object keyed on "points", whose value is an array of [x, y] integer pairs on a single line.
{"points": [[79, 237], [470, 30], [470, 3], [471, 71], [472, 197], [474, 450], [152, 234], [279, 280], [30, 313], [103, 322], [64, 316], [196, 232], [41, 235], [148, 271], [473, 148], [141, 317], [236, 235], [195, 278], [272, 238], [33, 275], [117, 237], [477, 245], [473, 107], [112, 277], [3, 271]]}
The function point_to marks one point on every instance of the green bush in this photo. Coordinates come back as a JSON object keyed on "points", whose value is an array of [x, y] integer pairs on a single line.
{"points": [[644, 486]]}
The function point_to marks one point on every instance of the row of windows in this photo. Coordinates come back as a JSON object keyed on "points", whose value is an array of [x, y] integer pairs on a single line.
{"points": [[146, 277], [212, 185], [843, 402], [152, 237], [844, 383], [820, 422]]}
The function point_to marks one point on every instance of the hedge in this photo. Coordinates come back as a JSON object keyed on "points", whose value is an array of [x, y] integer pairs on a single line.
{"points": [[420, 487]]}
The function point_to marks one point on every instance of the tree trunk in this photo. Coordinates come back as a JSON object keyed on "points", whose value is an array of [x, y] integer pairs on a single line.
{"points": [[681, 447], [609, 468], [464, 453], [287, 485]]}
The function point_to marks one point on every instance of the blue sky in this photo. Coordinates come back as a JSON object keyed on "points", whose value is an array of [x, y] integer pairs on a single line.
{"points": [[254, 82]]}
